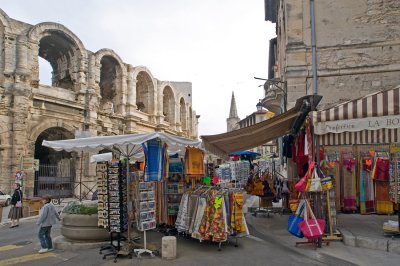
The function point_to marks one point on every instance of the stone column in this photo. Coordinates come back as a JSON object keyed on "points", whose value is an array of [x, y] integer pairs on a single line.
{"points": [[131, 91]]}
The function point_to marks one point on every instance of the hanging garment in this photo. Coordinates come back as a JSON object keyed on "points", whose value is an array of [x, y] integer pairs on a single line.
{"points": [[182, 217], [216, 230], [383, 203], [382, 169], [194, 161], [237, 225], [201, 206], [367, 195], [192, 205], [154, 156], [349, 186], [287, 146]]}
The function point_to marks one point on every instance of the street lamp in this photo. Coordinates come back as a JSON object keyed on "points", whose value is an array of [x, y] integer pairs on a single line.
{"points": [[281, 85]]}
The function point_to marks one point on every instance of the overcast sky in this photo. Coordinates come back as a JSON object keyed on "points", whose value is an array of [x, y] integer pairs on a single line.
{"points": [[218, 45]]}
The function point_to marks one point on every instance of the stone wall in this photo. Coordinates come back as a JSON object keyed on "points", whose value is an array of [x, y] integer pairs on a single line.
{"points": [[358, 45], [92, 91]]}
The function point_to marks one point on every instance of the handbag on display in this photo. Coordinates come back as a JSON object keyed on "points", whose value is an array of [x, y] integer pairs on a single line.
{"points": [[311, 228], [302, 184], [294, 220], [326, 182], [315, 185]]}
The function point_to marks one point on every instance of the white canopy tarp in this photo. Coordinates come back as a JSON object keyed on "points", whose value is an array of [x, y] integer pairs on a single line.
{"points": [[128, 145]]}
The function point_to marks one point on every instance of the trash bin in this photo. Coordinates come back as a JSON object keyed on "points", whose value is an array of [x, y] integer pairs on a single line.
{"points": [[168, 248]]}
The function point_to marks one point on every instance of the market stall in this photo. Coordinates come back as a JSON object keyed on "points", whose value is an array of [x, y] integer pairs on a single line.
{"points": [[356, 139], [127, 195]]}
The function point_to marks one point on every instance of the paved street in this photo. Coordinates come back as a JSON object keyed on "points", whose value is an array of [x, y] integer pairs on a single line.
{"points": [[19, 247]]}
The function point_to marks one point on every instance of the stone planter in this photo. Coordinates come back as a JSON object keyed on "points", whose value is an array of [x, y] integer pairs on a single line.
{"points": [[80, 227]]}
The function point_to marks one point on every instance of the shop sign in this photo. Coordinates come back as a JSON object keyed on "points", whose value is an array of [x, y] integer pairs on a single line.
{"points": [[354, 125]]}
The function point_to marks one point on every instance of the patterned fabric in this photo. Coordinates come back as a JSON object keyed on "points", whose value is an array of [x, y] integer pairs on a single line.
{"points": [[154, 152], [349, 185], [194, 161], [201, 206], [181, 219]]}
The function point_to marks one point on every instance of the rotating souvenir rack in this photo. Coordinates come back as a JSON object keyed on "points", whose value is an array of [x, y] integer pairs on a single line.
{"points": [[116, 211], [145, 206]]}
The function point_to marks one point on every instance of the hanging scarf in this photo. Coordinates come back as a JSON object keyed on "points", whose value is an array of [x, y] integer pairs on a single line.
{"points": [[154, 152]]}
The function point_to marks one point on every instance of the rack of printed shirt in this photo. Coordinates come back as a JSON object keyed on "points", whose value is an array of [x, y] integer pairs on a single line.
{"points": [[212, 214]]}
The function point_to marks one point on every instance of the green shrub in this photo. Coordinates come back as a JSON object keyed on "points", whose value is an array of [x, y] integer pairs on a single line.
{"points": [[76, 207]]}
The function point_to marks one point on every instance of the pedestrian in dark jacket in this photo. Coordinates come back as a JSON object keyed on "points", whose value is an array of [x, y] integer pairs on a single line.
{"points": [[48, 218], [16, 206]]}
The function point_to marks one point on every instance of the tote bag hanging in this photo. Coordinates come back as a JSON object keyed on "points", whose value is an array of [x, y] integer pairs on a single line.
{"points": [[302, 184], [294, 220], [311, 228], [315, 185]]}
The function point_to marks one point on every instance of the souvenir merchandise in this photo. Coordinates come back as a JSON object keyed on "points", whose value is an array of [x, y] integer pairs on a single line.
{"points": [[212, 213], [175, 187], [294, 220], [155, 153], [311, 228], [145, 206], [194, 161], [112, 194]]}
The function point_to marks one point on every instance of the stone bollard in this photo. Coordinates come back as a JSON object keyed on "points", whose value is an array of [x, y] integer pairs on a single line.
{"points": [[168, 249]]}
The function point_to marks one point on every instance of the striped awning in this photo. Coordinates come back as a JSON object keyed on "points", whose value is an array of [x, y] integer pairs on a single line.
{"points": [[260, 133], [372, 119]]}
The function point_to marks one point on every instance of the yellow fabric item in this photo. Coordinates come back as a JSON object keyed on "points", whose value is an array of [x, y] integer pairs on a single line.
{"points": [[194, 161], [237, 224], [384, 207], [258, 188]]}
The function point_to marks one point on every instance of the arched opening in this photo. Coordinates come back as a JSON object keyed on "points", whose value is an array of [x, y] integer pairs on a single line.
{"points": [[144, 93], [168, 105], [60, 51], [45, 72], [183, 113], [110, 84], [56, 168]]}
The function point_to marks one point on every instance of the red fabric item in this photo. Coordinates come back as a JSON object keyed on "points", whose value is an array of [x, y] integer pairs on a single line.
{"points": [[309, 139], [301, 185], [312, 228], [382, 169], [300, 144]]}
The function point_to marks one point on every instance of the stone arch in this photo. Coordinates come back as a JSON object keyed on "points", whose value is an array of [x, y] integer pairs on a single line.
{"points": [[111, 79], [63, 50], [38, 129], [182, 113], [168, 102], [145, 90]]}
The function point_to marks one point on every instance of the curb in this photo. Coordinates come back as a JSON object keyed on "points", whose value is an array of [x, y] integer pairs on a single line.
{"points": [[388, 245], [60, 242], [21, 220]]}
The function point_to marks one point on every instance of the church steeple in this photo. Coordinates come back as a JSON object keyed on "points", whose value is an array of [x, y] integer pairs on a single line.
{"points": [[233, 119], [233, 110]]}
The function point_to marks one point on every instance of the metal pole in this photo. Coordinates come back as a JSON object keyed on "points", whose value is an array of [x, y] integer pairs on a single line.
{"points": [[80, 178], [314, 48]]}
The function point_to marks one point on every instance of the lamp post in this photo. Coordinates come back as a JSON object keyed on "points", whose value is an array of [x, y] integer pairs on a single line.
{"points": [[281, 85]]}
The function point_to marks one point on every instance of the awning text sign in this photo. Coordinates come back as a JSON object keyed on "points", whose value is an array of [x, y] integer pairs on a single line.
{"points": [[354, 125]]}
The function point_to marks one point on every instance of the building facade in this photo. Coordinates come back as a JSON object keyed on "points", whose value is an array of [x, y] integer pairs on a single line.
{"points": [[357, 49], [93, 92]]}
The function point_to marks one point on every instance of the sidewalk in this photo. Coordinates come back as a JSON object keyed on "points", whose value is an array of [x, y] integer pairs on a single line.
{"points": [[360, 229]]}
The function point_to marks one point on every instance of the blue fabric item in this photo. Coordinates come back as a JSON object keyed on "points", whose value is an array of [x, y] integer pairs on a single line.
{"points": [[154, 154], [176, 167], [293, 226]]}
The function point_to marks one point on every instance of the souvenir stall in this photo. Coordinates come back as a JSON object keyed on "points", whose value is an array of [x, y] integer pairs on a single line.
{"points": [[131, 197], [355, 137], [313, 201]]}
